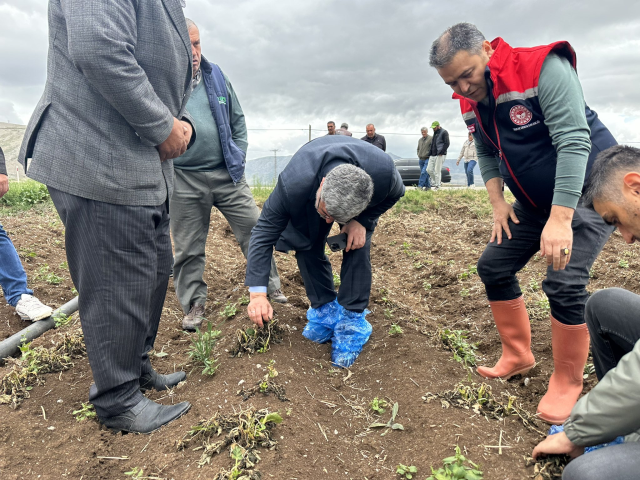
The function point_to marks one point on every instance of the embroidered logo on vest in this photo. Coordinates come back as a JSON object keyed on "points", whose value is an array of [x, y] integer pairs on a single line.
{"points": [[222, 100], [520, 115], [471, 128]]}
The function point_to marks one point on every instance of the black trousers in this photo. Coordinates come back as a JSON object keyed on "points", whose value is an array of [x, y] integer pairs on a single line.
{"points": [[355, 274], [566, 289], [119, 258], [614, 326]]}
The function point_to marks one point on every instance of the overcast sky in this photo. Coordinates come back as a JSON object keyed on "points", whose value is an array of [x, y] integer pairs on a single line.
{"points": [[295, 63]]}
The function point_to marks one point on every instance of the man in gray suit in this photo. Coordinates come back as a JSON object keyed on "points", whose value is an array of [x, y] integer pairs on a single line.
{"points": [[102, 137]]}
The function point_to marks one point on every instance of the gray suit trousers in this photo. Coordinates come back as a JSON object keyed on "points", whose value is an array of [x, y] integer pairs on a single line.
{"points": [[194, 194], [119, 257]]}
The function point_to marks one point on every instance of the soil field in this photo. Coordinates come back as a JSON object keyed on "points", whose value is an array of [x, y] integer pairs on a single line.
{"points": [[423, 281]]}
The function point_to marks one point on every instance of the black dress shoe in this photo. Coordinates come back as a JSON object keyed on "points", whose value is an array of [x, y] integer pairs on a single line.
{"points": [[160, 382], [145, 417]]}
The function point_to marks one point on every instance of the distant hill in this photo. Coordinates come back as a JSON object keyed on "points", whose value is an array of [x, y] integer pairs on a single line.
{"points": [[10, 141], [262, 169]]}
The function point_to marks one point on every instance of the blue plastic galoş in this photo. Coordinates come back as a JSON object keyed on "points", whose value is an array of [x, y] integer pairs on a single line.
{"points": [[560, 428], [351, 334], [322, 321]]}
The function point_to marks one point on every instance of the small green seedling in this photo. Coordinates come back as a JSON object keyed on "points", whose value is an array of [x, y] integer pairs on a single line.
{"points": [[455, 469], [135, 472], [589, 369], [230, 310], [336, 280], [533, 285], [378, 405], [395, 330], [391, 424], [60, 319], [406, 471], [623, 264], [201, 349], [244, 300], [388, 312], [456, 341], [271, 369], [464, 292], [426, 285], [85, 412]]}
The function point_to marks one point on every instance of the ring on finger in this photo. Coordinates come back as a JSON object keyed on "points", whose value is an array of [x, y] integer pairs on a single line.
{"points": [[565, 251]]}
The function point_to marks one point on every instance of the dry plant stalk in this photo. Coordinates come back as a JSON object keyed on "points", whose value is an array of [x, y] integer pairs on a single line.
{"points": [[27, 370], [481, 400], [254, 340], [241, 432]]}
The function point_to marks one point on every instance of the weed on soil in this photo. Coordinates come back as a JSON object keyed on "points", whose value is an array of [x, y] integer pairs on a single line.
{"points": [[481, 400], [548, 468], [26, 371], [257, 340], [244, 432]]}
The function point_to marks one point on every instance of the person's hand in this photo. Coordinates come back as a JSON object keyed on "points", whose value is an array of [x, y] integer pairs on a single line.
{"points": [[556, 236], [259, 309], [188, 130], [557, 444], [458, 162], [4, 185], [175, 144], [502, 212], [356, 235]]}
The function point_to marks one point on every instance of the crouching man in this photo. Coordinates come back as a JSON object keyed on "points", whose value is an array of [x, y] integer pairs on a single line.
{"points": [[331, 179], [612, 408]]}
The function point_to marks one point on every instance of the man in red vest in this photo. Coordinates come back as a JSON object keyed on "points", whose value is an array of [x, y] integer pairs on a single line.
{"points": [[534, 132]]}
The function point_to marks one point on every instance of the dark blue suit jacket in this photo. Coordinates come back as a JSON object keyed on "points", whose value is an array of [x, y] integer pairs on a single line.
{"points": [[289, 220]]}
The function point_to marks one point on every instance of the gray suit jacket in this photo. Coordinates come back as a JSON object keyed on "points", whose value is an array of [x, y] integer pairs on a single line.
{"points": [[118, 72], [3, 167]]}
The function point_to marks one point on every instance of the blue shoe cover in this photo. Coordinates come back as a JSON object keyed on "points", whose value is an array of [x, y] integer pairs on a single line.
{"points": [[349, 336], [322, 321], [560, 428]]}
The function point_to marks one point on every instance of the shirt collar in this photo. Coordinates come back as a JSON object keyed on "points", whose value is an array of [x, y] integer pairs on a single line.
{"points": [[197, 79]]}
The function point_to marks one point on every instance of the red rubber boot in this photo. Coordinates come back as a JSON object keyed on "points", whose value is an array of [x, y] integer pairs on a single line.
{"points": [[514, 328], [570, 345]]}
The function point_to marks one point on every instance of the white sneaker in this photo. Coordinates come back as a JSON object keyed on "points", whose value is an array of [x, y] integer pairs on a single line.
{"points": [[30, 308], [435, 189], [472, 186]]}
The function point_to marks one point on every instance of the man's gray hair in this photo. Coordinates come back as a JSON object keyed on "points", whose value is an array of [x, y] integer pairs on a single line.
{"points": [[608, 167], [424, 129], [191, 23], [344, 125], [462, 36], [331, 122], [346, 192]]}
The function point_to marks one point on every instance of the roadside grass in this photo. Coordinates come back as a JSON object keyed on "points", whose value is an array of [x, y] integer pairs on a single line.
{"points": [[477, 201], [261, 190], [23, 196]]}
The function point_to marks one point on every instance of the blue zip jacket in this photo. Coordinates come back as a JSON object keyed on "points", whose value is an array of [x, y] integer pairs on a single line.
{"points": [[218, 95]]}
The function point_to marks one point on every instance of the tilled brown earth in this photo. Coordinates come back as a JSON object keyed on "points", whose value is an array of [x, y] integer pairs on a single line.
{"points": [[419, 263]]}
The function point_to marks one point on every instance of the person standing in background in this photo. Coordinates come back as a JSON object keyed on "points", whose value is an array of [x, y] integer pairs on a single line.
{"points": [[470, 160], [424, 147], [437, 154], [331, 128], [374, 139], [344, 130], [210, 174]]}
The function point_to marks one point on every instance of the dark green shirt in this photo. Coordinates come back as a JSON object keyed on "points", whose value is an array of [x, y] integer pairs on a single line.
{"points": [[206, 152]]}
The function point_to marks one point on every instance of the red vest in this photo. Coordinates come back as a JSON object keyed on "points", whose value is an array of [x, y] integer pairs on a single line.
{"points": [[519, 136]]}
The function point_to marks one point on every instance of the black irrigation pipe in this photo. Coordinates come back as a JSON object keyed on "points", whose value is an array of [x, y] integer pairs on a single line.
{"points": [[11, 345]]}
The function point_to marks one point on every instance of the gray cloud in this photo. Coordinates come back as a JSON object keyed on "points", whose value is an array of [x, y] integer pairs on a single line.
{"points": [[297, 63]]}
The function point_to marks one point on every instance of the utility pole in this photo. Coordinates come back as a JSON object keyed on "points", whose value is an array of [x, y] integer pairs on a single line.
{"points": [[309, 132], [275, 165]]}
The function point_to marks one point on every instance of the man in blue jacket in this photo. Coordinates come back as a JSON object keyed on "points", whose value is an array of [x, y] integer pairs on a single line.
{"points": [[330, 179], [210, 174]]}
